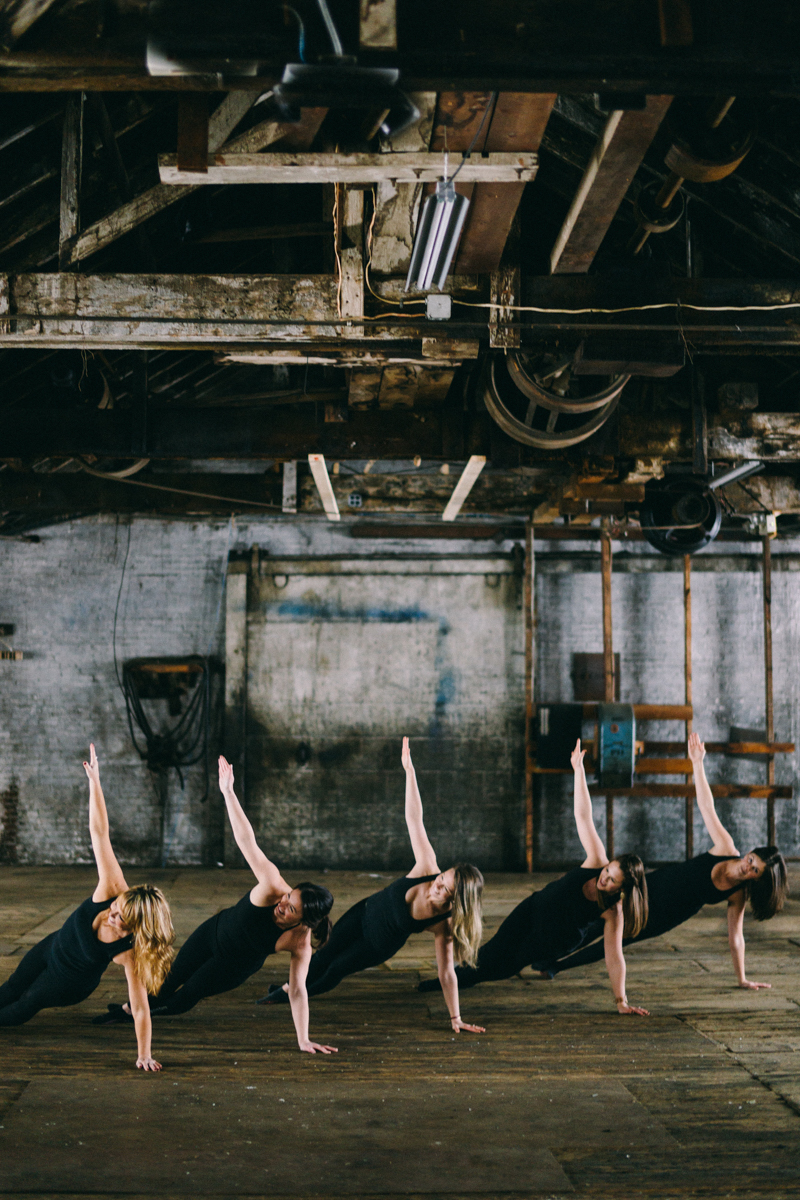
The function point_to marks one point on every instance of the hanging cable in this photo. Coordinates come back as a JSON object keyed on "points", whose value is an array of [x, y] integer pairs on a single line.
{"points": [[331, 28], [489, 103]]}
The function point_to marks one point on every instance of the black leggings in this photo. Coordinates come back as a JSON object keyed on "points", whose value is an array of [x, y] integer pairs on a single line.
{"points": [[35, 985], [199, 971], [596, 951], [504, 955], [346, 951]]}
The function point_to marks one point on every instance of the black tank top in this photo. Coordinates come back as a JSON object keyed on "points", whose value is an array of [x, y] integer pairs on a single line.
{"points": [[679, 890], [560, 914], [76, 949], [247, 932], [388, 922]]}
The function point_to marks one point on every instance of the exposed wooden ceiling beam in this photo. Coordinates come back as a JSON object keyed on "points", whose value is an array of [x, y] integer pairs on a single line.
{"points": [[511, 167], [615, 160], [518, 122], [223, 121]]}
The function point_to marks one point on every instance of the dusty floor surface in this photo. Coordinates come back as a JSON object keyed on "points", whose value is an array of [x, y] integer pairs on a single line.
{"points": [[561, 1097]]}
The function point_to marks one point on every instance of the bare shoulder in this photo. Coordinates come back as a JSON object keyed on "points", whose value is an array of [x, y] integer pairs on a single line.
{"points": [[125, 959], [297, 940]]}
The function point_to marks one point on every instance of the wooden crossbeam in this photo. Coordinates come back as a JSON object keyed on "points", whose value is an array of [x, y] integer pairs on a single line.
{"points": [[615, 159], [17, 18], [464, 486], [348, 168]]}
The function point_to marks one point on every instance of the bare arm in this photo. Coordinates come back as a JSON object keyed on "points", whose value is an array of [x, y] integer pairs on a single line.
{"points": [[723, 842], [110, 880], [424, 856], [615, 961], [140, 1010], [736, 941], [590, 839], [449, 980], [264, 870], [298, 999]]}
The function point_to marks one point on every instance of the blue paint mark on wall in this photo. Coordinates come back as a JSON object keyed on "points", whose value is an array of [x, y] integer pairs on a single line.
{"points": [[304, 611]]}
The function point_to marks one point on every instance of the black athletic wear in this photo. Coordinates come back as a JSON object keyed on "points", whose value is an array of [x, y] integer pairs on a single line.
{"points": [[63, 969], [675, 892], [368, 934], [221, 953], [546, 925]]}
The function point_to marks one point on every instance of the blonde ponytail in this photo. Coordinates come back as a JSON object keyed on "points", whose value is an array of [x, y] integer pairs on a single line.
{"points": [[146, 913], [466, 923]]}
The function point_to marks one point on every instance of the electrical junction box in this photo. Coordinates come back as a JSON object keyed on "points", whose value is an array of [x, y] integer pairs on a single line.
{"points": [[438, 308], [558, 727], [617, 748]]}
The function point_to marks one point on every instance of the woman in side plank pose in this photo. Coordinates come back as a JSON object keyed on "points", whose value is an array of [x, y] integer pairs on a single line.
{"points": [[680, 890], [560, 914], [128, 926], [373, 930], [232, 945]]}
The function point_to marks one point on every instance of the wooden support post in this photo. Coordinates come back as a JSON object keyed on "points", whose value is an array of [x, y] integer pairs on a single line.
{"points": [[193, 132], [350, 234], [529, 604], [71, 169], [687, 672], [608, 666], [768, 689], [236, 694]]}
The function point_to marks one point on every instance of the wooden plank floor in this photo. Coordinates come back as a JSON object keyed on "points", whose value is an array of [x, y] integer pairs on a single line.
{"points": [[560, 1098]]}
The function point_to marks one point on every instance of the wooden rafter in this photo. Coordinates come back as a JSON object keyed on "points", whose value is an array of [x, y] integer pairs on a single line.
{"points": [[615, 159]]}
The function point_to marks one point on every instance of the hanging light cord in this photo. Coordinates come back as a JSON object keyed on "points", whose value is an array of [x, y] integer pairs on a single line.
{"points": [[489, 104], [336, 41]]}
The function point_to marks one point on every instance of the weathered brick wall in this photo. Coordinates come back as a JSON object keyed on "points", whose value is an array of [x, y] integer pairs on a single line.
{"points": [[343, 806]]}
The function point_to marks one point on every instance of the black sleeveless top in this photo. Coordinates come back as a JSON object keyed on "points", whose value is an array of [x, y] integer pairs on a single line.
{"points": [[76, 950], [246, 932], [559, 916], [387, 920], [680, 890]]}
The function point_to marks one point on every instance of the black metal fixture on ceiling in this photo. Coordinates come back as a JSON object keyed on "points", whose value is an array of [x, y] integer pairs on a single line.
{"points": [[680, 514], [202, 37]]}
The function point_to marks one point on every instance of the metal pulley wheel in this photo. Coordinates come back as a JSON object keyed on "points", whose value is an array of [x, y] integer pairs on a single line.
{"points": [[501, 389], [532, 385], [703, 152], [651, 216], [680, 515]]}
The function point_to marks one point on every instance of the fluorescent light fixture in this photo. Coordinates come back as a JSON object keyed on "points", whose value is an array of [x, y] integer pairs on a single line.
{"points": [[440, 224], [740, 472], [464, 486], [323, 482]]}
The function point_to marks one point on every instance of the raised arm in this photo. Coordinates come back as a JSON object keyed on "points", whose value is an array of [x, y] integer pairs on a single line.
{"points": [[590, 839], [736, 941], [449, 980], [110, 880], [615, 961], [298, 999], [264, 870], [723, 842], [424, 856]]}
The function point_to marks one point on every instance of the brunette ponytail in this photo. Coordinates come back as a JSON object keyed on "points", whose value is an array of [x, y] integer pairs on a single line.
{"points": [[317, 903], [768, 892], [633, 894]]}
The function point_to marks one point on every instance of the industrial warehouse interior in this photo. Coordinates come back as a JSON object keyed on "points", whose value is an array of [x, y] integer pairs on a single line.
{"points": [[374, 370]]}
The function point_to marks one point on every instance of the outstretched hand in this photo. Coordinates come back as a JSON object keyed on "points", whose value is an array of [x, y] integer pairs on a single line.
{"points": [[459, 1026], [576, 758], [697, 750], [225, 775], [316, 1048], [148, 1064], [92, 767], [405, 757]]}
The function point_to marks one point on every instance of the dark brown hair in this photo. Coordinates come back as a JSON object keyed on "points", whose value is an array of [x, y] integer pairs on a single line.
{"points": [[768, 892], [633, 893], [317, 902]]}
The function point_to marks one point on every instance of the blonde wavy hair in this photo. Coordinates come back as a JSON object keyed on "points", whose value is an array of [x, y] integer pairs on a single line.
{"points": [[466, 920], [146, 913]]}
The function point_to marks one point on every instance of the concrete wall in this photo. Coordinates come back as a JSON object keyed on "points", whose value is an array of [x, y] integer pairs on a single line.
{"points": [[345, 664]]}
